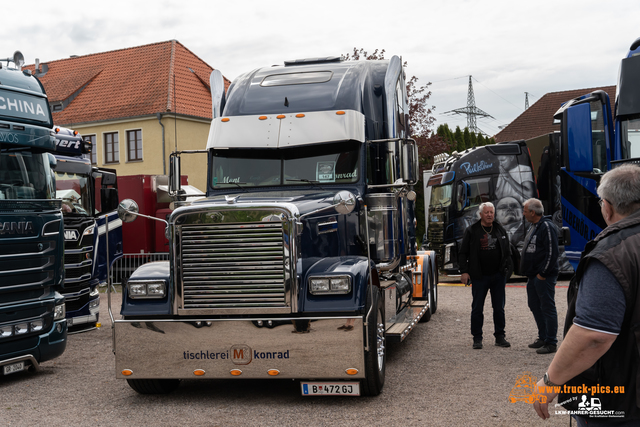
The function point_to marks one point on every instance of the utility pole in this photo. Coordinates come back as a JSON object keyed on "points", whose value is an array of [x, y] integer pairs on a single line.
{"points": [[471, 111]]}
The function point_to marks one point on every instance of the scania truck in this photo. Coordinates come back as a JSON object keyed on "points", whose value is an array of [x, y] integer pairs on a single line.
{"points": [[301, 262], [33, 328], [89, 195]]}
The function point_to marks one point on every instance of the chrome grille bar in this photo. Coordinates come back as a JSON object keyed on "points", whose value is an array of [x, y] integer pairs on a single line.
{"points": [[232, 266]]}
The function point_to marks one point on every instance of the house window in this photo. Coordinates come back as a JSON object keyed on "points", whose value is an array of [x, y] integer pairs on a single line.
{"points": [[94, 148], [134, 144], [111, 148]]}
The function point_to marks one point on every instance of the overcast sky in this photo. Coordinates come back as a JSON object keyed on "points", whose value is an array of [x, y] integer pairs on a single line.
{"points": [[509, 47]]}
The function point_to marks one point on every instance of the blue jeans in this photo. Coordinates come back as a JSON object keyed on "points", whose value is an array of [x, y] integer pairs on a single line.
{"points": [[541, 296], [479, 288]]}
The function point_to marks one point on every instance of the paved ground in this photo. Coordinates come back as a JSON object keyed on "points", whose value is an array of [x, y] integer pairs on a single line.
{"points": [[433, 378]]}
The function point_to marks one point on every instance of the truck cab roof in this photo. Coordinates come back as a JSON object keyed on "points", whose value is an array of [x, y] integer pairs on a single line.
{"points": [[320, 84]]}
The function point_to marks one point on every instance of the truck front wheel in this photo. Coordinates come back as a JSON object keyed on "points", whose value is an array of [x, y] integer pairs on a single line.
{"points": [[376, 357], [153, 386]]}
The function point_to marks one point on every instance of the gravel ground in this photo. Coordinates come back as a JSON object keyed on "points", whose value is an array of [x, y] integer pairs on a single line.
{"points": [[433, 378]]}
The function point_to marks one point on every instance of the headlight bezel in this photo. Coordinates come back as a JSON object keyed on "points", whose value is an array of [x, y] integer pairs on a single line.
{"points": [[59, 312], [146, 289], [330, 285]]}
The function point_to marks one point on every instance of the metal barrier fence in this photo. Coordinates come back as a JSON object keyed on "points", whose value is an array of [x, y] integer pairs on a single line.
{"points": [[125, 266]]}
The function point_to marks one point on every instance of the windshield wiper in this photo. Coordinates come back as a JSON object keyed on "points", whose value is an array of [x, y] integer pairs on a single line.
{"points": [[307, 181], [237, 184]]}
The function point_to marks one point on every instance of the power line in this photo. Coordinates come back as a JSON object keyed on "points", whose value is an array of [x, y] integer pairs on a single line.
{"points": [[498, 95]]}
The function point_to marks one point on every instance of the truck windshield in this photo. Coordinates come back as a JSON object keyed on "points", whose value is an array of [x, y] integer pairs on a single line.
{"points": [[25, 175], [441, 195], [336, 163], [630, 136], [73, 189]]}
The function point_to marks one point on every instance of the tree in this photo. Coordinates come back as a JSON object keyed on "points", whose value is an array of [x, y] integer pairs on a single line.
{"points": [[459, 138], [420, 113], [467, 138]]}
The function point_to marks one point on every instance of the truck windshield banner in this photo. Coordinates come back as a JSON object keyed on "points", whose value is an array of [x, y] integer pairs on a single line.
{"points": [[22, 106]]}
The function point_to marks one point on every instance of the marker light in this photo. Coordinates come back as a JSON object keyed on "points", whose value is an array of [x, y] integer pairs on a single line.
{"points": [[198, 372], [300, 115], [280, 116], [226, 119], [273, 372], [340, 113], [127, 372], [236, 372], [262, 118], [351, 371]]}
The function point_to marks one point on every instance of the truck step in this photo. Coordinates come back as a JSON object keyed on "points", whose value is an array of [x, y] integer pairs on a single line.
{"points": [[384, 284], [406, 320]]}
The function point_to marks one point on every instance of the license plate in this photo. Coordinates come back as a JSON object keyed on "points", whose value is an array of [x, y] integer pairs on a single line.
{"points": [[14, 367], [330, 389]]}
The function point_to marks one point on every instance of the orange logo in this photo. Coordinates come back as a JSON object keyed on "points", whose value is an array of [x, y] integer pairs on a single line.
{"points": [[241, 354], [525, 390]]}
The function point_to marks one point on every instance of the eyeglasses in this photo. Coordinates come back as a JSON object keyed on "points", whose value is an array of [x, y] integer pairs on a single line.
{"points": [[601, 201]]}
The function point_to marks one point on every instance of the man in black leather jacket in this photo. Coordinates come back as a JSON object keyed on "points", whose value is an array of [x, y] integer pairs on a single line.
{"points": [[485, 261]]}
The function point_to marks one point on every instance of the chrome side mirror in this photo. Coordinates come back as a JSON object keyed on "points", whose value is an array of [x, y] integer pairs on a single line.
{"points": [[128, 210], [344, 202]]}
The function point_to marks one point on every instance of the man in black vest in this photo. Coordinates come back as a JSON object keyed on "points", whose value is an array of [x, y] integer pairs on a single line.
{"points": [[600, 348], [485, 261]]}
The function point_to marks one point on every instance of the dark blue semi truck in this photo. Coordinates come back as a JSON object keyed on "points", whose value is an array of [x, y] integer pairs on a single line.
{"points": [[33, 328], [89, 195], [301, 262]]}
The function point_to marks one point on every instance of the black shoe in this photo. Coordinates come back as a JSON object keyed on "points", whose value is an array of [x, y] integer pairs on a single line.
{"points": [[477, 344], [546, 349], [537, 343], [501, 342]]}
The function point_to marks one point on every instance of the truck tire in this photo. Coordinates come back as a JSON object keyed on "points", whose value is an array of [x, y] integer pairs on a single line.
{"points": [[153, 386], [434, 292], [375, 360], [427, 315]]}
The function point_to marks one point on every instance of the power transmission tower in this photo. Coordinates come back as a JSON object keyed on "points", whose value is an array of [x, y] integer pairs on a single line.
{"points": [[471, 111], [526, 100]]}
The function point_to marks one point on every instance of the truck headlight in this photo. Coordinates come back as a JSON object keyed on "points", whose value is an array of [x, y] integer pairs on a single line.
{"points": [[88, 231], [147, 289], [330, 285], [59, 312], [447, 252]]}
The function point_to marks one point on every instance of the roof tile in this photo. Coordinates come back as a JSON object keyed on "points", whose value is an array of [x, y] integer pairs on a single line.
{"points": [[538, 119], [129, 82]]}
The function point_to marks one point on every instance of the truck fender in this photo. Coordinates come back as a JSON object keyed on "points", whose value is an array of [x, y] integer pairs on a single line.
{"points": [[152, 271], [355, 267]]}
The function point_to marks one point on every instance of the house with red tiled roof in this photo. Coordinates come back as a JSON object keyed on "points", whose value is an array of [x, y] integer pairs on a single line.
{"points": [[136, 105], [538, 120]]}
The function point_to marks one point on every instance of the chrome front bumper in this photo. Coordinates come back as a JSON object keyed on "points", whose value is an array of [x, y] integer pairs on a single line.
{"points": [[177, 349]]}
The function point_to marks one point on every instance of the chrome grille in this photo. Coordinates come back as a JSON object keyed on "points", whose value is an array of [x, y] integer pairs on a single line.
{"points": [[233, 265]]}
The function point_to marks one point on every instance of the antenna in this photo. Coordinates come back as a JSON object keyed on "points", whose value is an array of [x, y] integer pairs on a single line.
{"points": [[526, 100], [471, 111]]}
